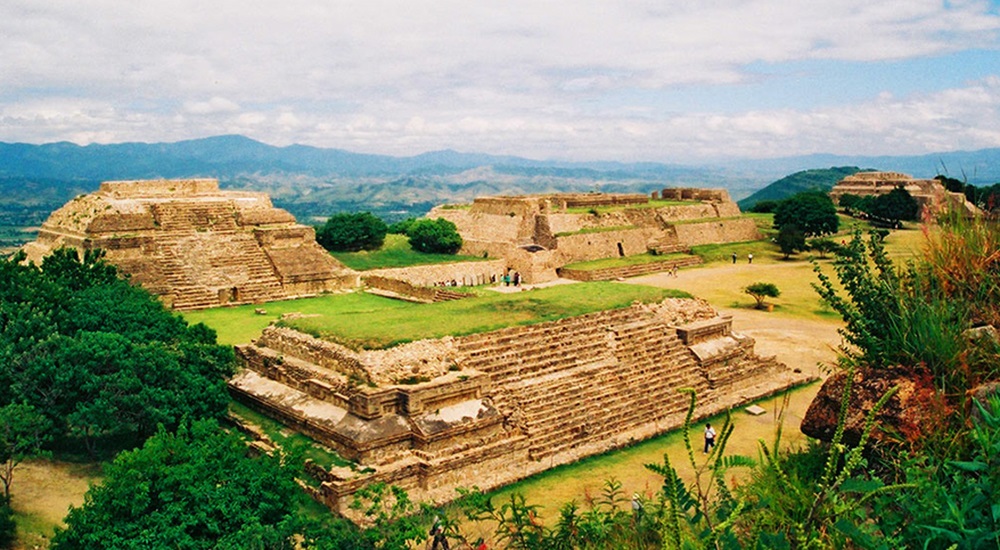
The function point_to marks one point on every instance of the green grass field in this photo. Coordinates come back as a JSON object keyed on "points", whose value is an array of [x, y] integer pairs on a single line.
{"points": [[372, 322], [396, 252]]}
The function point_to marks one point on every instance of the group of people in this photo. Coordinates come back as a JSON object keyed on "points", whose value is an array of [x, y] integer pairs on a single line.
{"points": [[511, 277]]}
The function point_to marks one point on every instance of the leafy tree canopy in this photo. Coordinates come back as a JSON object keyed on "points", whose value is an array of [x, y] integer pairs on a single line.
{"points": [[791, 239], [812, 212], [101, 359], [895, 205], [760, 291], [438, 236], [195, 488], [351, 232]]}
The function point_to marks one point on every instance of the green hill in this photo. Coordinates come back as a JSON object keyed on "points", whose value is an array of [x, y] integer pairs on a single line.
{"points": [[822, 179]]}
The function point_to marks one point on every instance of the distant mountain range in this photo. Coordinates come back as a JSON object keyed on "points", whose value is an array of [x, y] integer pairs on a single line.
{"points": [[314, 182]]}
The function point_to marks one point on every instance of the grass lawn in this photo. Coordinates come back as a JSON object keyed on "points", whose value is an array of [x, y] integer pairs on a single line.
{"points": [[365, 320], [396, 252]]}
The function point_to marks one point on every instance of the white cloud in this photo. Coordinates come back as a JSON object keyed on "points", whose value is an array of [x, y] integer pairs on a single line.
{"points": [[550, 79]]}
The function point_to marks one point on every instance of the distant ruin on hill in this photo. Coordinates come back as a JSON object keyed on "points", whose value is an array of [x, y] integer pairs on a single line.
{"points": [[930, 193], [491, 408], [194, 245], [538, 234]]}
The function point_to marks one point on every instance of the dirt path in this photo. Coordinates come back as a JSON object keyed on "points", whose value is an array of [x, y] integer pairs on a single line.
{"points": [[42, 493]]}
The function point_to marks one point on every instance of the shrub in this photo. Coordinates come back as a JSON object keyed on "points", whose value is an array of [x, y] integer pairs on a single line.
{"points": [[352, 232], [791, 239], [401, 227], [438, 236], [764, 207]]}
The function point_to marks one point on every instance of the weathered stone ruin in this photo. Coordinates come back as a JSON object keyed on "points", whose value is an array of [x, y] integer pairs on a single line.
{"points": [[930, 193], [194, 245], [537, 234], [491, 408]]}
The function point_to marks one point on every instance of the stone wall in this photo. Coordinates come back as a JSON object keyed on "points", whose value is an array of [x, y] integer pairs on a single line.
{"points": [[490, 408], [463, 273], [625, 271], [721, 231]]}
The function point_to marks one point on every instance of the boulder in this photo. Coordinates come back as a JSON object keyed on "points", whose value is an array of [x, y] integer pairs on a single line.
{"points": [[916, 410]]}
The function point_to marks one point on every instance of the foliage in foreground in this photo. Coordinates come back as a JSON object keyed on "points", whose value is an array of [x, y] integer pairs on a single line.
{"points": [[101, 359], [195, 488]]}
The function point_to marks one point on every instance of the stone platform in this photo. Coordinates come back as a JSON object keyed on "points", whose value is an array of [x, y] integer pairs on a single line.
{"points": [[194, 245], [491, 408]]}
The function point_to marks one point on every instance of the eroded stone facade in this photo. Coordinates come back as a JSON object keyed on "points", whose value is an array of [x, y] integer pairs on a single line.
{"points": [[537, 234], [491, 408], [930, 193], [194, 245]]}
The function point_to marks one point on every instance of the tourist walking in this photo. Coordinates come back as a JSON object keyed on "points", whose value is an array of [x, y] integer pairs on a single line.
{"points": [[709, 437], [506, 279], [437, 535], [749, 258], [734, 257], [517, 279]]}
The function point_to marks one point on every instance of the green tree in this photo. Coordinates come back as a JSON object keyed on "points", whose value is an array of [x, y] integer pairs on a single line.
{"points": [[849, 202], [764, 207], [813, 212], [791, 239], [23, 431], [101, 359], [195, 488], [760, 291], [895, 205], [401, 227], [438, 236], [351, 232], [823, 246]]}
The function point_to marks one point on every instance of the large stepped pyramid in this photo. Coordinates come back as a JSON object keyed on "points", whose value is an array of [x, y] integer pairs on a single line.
{"points": [[194, 245], [488, 409]]}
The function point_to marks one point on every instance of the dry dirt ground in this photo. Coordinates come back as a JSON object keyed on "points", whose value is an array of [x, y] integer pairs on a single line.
{"points": [[42, 493]]}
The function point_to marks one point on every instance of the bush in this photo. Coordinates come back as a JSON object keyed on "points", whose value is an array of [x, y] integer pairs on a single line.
{"points": [[791, 239], [764, 207], [352, 232], [401, 227], [438, 236]]}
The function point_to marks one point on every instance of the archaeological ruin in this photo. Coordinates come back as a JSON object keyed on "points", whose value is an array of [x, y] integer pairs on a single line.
{"points": [[538, 234], [930, 193], [488, 409], [194, 245]]}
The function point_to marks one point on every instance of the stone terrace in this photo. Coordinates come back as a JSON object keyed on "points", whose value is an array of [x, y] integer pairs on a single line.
{"points": [[491, 408], [194, 245]]}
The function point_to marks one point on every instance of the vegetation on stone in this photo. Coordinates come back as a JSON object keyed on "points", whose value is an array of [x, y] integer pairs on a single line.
{"points": [[351, 232]]}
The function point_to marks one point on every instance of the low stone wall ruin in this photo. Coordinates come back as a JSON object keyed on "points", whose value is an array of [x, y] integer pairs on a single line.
{"points": [[626, 271], [463, 273]]}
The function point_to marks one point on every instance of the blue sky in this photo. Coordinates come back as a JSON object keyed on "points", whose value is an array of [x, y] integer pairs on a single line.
{"points": [[578, 80]]}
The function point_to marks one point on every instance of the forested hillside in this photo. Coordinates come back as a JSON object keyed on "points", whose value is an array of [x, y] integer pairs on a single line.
{"points": [[807, 180]]}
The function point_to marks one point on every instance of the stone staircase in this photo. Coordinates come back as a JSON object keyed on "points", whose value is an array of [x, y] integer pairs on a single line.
{"points": [[609, 373], [185, 216], [243, 262]]}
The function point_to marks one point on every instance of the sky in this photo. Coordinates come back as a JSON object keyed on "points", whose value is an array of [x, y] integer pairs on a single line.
{"points": [[663, 80]]}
